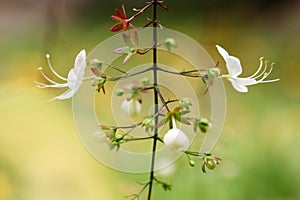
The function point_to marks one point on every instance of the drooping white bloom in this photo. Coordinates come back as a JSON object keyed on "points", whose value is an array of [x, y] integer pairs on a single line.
{"points": [[234, 68], [131, 107], [74, 80], [176, 140]]}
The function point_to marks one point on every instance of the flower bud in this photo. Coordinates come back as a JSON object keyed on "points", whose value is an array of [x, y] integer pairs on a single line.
{"points": [[95, 63], [185, 103], [131, 107], [149, 124], [192, 163], [119, 92], [176, 140], [211, 164], [118, 138], [145, 81], [204, 125], [170, 43]]}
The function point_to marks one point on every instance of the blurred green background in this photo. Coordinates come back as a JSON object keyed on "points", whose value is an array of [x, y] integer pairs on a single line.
{"points": [[41, 156]]}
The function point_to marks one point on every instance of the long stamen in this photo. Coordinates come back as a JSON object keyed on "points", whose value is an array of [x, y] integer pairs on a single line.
{"points": [[258, 70], [43, 85], [264, 70], [266, 75], [53, 71], [46, 77], [270, 81]]}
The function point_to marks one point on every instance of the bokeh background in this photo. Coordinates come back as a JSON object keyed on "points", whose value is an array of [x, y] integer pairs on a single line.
{"points": [[41, 156]]}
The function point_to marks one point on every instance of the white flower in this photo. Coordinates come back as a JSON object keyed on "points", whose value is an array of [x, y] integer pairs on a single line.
{"points": [[131, 107], [234, 68], [74, 80], [176, 140]]}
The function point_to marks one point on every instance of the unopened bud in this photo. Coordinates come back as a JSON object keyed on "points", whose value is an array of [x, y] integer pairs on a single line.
{"points": [[170, 43], [95, 63], [211, 164], [145, 81], [119, 138], [192, 163], [204, 125], [119, 92]]}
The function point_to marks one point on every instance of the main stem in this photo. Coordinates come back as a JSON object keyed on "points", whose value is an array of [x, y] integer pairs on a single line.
{"points": [[154, 61]]}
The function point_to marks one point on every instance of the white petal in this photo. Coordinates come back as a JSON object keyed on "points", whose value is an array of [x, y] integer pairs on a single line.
{"points": [[131, 107], [66, 95], [245, 81], [222, 51], [72, 78], [138, 106], [80, 63], [239, 87], [233, 64], [176, 140]]}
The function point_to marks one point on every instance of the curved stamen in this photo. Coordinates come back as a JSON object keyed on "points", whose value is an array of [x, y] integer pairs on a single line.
{"points": [[46, 77], [259, 68], [53, 71], [270, 81], [266, 75], [43, 85], [263, 72]]}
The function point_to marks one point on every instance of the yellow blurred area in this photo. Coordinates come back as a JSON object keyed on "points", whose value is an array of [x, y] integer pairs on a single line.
{"points": [[41, 155]]}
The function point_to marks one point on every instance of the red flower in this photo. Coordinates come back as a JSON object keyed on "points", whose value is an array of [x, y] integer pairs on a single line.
{"points": [[122, 20]]}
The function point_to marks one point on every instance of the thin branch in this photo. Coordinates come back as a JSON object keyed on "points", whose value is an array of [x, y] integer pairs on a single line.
{"points": [[162, 99], [191, 73], [127, 75], [141, 11], [197, 154], [137, 195]]}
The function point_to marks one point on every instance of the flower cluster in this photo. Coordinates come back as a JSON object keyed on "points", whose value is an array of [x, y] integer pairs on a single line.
{"points": [[168, 111]]}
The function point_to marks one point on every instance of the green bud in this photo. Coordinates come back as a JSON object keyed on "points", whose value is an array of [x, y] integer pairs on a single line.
{"points": [[118, 138], [185, 103], [95, 63], [119, 92], [169, 43], [204, 125], [211, 164], [149, 124], [145, 81], [192, 163]]}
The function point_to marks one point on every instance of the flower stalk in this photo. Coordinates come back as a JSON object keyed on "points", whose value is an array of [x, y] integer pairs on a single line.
{"points": [[155, 83]]}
